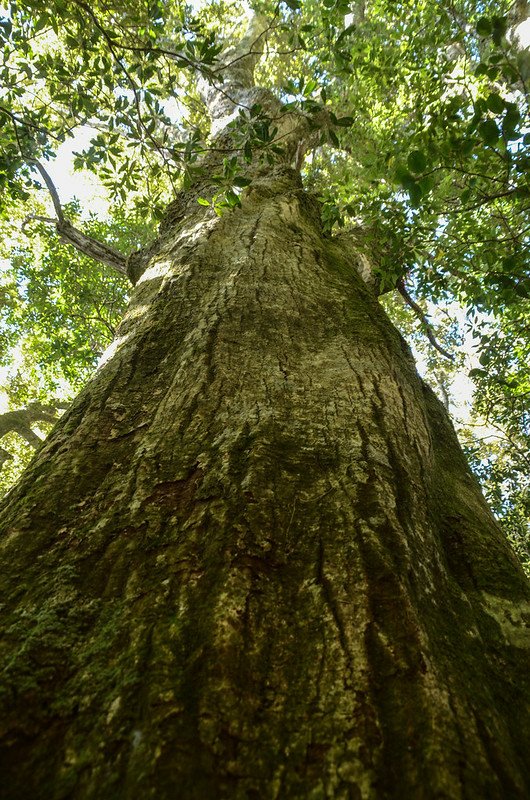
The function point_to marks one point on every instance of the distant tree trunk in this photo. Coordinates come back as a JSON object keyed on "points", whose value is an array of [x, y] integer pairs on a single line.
{"points": [[250, 561]]}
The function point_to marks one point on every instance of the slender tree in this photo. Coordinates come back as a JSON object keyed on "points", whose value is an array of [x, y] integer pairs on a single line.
{"points": [[250, 561]]}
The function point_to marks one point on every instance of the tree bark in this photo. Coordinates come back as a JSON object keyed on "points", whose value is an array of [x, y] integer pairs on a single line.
{"points": [[251, 561]]}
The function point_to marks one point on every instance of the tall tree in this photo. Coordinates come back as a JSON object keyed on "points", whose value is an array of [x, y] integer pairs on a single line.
{"points": [[251, 560]]}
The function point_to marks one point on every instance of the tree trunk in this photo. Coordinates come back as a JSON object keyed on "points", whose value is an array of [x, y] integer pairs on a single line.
{"points": [[251, 561]]}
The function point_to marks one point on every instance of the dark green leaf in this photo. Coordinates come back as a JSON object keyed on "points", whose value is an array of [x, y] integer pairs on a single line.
{"points": [[232, 198], [522, 289], [511, 122], [417, 161], [415, 194], [484, 26], [489, 132], [345, 122], [495, 103]]}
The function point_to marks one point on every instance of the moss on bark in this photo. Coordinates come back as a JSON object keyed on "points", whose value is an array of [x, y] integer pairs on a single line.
{"points": [[251, 562]]}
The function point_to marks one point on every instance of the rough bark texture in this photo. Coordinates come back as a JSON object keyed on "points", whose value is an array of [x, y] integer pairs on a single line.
{"points": [[251, 562]]}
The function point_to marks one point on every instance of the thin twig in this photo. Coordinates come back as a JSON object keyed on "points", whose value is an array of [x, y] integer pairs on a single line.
{"points": [[27, 124], [134, 48], [37, 218], [422, 318], [488, 199]]}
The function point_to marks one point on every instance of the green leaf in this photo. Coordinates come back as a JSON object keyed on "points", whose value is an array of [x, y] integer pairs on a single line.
{"points": [[346, 32], [495, 103], [488, 132], [500, 26], [241, 181], [345, 122], [522, 289], [511, 121], [426, 184], [202, 201], [415, 194], [417, 161], [41, 23], [484, 26], [232, 198]]}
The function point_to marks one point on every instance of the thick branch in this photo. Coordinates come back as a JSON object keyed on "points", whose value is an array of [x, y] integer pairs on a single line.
{"points": [[4, 456], [91, 247], [69, 234], [237, 75], [289, 130], [21, 421], [241, 60]]}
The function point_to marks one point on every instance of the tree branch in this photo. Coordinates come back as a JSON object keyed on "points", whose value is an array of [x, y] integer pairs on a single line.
{"points": [[238, 63], [50, 186], [426, 325], [21, 420], [4, 456], [244, 56], [69, 234]]}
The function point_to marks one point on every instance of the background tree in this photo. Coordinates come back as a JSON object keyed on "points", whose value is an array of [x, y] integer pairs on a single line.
{"points": [[252, 540]]}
